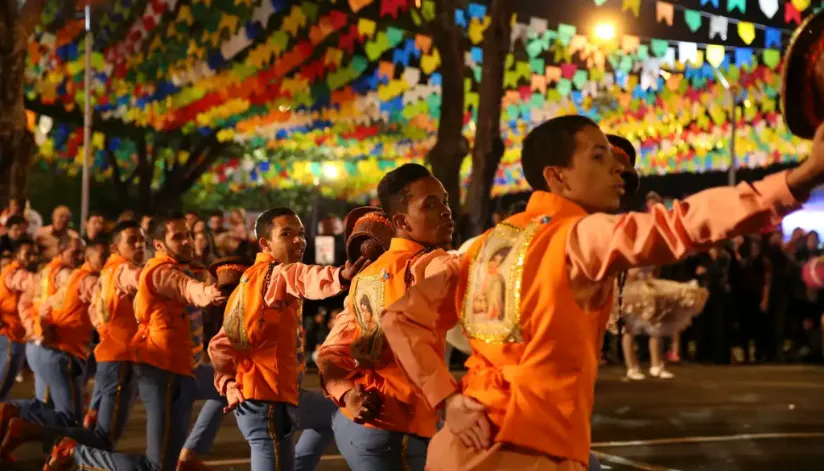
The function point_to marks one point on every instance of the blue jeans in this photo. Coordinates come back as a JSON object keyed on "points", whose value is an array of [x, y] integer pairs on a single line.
{"points": [[12, 355], [210, 417], [315, 413], [33, 358], [168, 399], [371, 449], [63, 373], [115, 386], [269, 428], [594, 464]]}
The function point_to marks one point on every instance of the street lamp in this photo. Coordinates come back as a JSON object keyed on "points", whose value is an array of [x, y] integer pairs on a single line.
{"points": [[605, 31], [733, 105]]}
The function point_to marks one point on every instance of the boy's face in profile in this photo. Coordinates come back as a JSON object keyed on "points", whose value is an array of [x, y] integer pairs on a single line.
{"points": [[593, 179]]}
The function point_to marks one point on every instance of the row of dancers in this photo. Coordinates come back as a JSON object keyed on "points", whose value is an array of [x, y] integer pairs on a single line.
{"points": [[533, 296]]}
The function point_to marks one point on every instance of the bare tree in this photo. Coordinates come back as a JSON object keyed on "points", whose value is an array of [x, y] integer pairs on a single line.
{"points": [[489, 147], [16, 142], [451, 147]]}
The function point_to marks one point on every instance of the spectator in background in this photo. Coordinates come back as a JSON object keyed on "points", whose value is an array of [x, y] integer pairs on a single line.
{"points": [[711, 331], [216, 222], [95, 226], [127, 215], [779, 297], [191, 218], [753, 298], [238, 225], [15, 230], [145, 222], [47, 238], [17, 207], [34, 218]]}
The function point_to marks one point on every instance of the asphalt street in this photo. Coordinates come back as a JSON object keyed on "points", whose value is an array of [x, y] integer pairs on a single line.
{"points": [[748, 418]]}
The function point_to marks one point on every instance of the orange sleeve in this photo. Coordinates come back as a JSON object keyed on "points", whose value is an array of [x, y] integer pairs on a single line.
{"points": [[172, 283], [335, 361], [86, 288], [413, 325], [126, 279], [94, 314], [224, 359], [25, 305], [304, 281], [602, 245], [19, 280]]}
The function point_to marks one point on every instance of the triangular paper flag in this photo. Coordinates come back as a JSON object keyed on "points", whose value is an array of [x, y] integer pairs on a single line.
{"points": [[771, 58], [746, 31], [687, 52], [715, 54], [631, 5], [769, 7], [801, 5], [791, 14], [664, 12], [693, 19], [740, 4], [772, 38], [600, 2], [659, 47], [718, 27]]}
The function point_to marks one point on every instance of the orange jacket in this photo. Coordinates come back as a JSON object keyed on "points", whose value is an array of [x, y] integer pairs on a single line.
{"points": [[164, 337], [10, 324], [260, 346], [70, 317], [356, 351], [47, 287], [115, 312], [538, 394]]}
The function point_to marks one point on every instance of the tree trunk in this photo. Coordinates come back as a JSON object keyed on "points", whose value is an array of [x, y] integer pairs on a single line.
{"points": [[489, 147], [451, 147], [16, 142]]}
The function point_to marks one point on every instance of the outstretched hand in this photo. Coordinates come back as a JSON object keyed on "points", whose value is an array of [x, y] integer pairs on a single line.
{"points": [[467, 419], [351, 269], [218, 297]]}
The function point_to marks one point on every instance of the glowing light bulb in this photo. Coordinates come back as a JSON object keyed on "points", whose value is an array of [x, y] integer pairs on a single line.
{"points": [[605, 31]]}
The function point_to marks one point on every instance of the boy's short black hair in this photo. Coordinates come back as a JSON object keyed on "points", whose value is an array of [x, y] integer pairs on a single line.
{"points": [[551, 144], [264, 222], [93, 214], [99, 241], [215, 213], [122, 226], [16, 221], [393, 189], [157, 227]]}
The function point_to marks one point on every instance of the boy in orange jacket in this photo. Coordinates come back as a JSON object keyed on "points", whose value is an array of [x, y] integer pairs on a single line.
{"points": [[258, 355], [14, 278], [383, 423], [532, 370]]}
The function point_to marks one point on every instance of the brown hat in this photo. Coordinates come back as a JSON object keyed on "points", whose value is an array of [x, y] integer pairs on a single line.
{"points": [[228, 271], [802, 81], [631, 179], [368, 233]]}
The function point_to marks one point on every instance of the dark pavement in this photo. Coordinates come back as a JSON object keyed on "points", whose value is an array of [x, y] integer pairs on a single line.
{"points": [[748, 418]]}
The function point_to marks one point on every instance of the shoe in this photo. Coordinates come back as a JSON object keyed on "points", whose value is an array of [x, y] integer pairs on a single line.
{"points": [[62, 456], [17, 433], [192, 465], [673, 358], [660, 373], [7, 412], [90, 419], [635, 374]]}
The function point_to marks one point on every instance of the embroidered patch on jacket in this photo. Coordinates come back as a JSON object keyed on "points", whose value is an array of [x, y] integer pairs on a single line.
{"points": [[234, 322], [491, 305], [368, 301]]}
